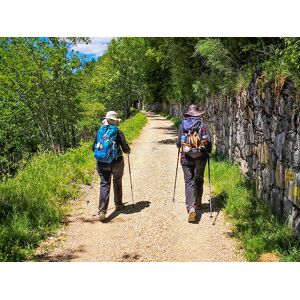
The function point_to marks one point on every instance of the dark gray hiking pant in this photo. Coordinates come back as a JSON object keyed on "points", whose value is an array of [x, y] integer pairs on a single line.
{"points": [[193, 171], [106, 172]]}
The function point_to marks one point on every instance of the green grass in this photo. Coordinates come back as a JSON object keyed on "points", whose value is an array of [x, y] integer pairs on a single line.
{"points": [[253, 224], [133, 126], [34, 203]]}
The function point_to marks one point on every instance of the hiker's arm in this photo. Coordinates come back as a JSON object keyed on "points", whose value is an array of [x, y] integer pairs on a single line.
{"points": [[94, 144], [125, 147], [207, 145], [178, 143]]}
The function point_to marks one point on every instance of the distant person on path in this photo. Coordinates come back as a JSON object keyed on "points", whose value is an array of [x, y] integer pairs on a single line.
{"points": [[194, 144], [108, 148]]}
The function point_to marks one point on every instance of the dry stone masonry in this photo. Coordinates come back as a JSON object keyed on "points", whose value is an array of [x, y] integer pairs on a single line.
{"points": [[259, 129]]}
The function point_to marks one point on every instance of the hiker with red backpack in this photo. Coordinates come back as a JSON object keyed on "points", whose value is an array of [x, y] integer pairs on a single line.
{"points": [[194, 145], [108, 148]]}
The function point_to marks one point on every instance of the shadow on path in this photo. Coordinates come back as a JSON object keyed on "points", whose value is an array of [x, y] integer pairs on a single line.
{"points": [[68, 255], [156, 117], [55, 258], [168, 141], [168, 130], [128, 209], [218, 203]]}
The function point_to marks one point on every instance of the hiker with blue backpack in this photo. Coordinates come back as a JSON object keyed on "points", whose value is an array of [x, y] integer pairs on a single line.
{"points": [[194, 146], [108, 148]]}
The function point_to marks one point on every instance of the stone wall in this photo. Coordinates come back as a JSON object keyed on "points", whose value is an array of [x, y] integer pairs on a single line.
{"points": [[259, 129]]}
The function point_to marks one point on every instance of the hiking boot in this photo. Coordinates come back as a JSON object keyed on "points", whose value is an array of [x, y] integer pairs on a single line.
{"points": [[120, 206], [101, 215], [192, 216]]}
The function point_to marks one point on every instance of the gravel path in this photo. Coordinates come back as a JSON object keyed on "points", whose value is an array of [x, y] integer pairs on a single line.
{"points": [[155, 229]]}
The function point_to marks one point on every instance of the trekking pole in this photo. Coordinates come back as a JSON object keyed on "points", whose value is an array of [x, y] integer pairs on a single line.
{"points": [[92, 185], [210, 204], [130, 179], [176, 174]]}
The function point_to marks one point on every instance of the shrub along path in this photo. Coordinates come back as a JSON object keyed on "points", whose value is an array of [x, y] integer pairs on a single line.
{"points": [[155, 229]]}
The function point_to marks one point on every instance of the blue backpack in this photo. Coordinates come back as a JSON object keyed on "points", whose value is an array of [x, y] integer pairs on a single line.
{"points": [[193, 136], [191, 124], [106, 149]]}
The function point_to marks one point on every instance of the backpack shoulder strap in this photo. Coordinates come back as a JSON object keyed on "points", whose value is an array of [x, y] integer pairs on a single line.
{"points": [[102, 129]]}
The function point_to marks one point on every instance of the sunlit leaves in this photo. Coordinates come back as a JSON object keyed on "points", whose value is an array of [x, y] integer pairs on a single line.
{"points": [[39, 87]]}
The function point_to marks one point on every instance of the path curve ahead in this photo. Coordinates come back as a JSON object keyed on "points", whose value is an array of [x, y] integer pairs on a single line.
{"points": [[155, 229]]}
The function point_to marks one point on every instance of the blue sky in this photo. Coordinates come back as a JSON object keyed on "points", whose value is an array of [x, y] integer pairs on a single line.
{"points": [[93, 50]]}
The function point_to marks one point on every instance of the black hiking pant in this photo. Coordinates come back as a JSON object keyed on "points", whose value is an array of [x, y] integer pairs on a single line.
{"points": [[193, 171], [106, 172]]}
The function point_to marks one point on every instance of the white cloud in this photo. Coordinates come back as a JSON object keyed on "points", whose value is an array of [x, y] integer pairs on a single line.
{"points": [[98, 46]]}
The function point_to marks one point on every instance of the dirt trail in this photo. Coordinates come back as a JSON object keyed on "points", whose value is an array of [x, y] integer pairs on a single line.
{"points": [[155, 229]]}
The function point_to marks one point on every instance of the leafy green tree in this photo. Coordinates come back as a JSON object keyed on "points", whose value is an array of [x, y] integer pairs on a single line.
{"points": [[90, 119], [118, 78], [38, 98], [175, 68]]}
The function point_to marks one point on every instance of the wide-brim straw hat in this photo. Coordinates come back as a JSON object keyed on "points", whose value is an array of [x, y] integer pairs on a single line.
{"points": [[194, 111]]}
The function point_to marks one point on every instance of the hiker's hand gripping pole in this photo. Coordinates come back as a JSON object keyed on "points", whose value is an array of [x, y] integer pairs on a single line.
{"points": [[130, 179], [176, 174]]}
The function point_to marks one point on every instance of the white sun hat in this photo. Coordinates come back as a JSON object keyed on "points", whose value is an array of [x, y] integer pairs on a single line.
{"points": [[111, 116]]}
